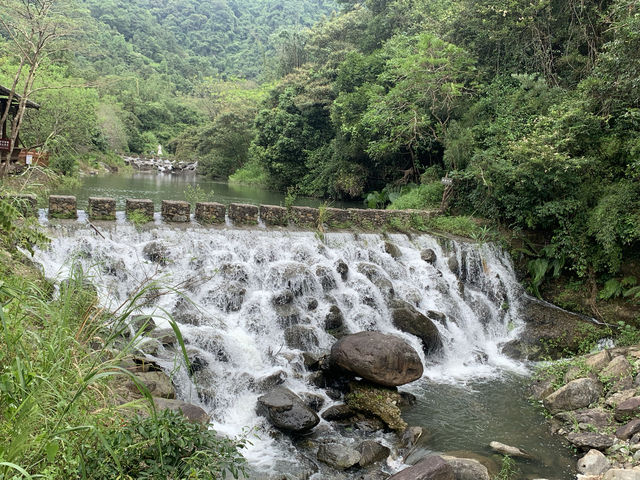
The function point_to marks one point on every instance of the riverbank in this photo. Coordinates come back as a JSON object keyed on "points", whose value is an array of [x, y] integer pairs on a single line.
{"points": [[594, 402]]}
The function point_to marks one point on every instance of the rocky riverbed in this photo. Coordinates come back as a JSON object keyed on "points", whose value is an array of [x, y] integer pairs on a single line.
{"points": [[160, 164], [594, 402]]}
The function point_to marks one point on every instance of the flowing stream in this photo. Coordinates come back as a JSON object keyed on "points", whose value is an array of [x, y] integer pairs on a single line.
{"points": [[246, 337]]}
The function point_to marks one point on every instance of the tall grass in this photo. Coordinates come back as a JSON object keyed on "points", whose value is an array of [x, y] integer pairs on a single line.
{"points": [[59, 356]]}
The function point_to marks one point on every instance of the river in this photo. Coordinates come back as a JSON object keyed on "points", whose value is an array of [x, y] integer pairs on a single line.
{"points": [[470, 394], [166, 186]]}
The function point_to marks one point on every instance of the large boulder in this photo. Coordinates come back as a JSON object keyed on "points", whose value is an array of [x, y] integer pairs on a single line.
{"points": [[157, 383], [408, 319], [338, 456], [589, 440], [467, 468], [372, 452], [549, 330], [577, 394], [286, 411], [429, 468], [383, 359]]}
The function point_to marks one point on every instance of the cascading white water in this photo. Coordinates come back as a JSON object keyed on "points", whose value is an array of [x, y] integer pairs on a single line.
{"points": [[258, 299]]}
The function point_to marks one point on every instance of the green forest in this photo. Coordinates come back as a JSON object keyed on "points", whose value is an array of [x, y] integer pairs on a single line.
{"points": [[530, 108]]}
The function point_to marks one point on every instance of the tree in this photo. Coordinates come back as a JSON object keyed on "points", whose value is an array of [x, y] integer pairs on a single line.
{"points": [[37, 30]]}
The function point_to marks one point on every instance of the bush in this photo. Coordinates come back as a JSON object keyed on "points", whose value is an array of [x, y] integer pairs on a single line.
{"points": [[252, 173], [420, 198], [163, 446]]}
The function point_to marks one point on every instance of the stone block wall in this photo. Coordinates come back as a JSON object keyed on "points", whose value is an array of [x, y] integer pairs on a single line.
{"points": [[210, 212], [101, 208], [304, 216], [338, 218], [63, 206], [176, 211], [142, 205], [242, 214], [274, 215]]}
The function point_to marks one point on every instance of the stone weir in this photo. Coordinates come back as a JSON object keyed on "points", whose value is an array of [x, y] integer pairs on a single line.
{"points": [[210, 213]]}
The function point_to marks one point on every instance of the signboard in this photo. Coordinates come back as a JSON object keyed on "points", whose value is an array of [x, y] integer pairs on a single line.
{"points": [[447, 181], [5, 144], [29, 160]]}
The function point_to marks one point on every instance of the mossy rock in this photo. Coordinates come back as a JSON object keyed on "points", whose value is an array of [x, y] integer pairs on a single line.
{"points": [[377, 401]]}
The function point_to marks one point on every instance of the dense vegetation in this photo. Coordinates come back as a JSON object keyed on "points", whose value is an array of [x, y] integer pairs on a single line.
{"points": [[530, 108]]}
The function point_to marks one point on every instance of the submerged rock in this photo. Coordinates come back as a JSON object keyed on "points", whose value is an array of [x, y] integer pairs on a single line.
{"points": [[408, 319], [378, 277], [392, 250], [383, 359], [286, 411], [508, 450], [156, 252]]}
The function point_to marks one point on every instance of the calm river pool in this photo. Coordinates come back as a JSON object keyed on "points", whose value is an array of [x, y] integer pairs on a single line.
{"points": [[162, 186]]}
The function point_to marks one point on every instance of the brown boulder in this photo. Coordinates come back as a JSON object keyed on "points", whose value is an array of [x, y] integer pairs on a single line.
{"points": [[627, 409], [429, 468], [383, 359]]}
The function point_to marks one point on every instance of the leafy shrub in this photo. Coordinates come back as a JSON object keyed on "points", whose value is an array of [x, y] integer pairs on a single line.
{"points": [[159, 447], [420, 198], [252, 173]]}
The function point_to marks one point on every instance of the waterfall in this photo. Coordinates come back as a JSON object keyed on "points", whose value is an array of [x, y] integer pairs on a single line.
{"points": [[249, 302]]}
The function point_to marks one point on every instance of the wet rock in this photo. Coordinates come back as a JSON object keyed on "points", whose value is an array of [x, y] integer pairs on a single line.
{"points": [[312, 304], [369, 425], [546, 324], [410, 436], [372, 452], [588, 440], [313, 401], [269, 382], [338, 456], [378, 277], [234, 272], [377, 401], [158, 384], [343, 269], [228, 297], [287, 315], [286, 411], [428, 255], [383, 359], [334, 319], [300, 337], [166, 336], [392, 250], [283, 298], [407, 399], [627, 409], [314, 361], [156, 252], [629, 430], [593, 463], [467, 468], [187, 313], [576, 394], [191, 412], [325, 277], [508, 450], [197, 364], [292, 276], [408, 319], [453, 264], [429, 468], [336, 413]]}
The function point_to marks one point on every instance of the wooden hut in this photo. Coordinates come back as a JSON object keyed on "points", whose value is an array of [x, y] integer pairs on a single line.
{"points": [[20, 155]]}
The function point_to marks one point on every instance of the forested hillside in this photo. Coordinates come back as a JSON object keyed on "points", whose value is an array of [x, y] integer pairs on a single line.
{"points": [[531, 108]]}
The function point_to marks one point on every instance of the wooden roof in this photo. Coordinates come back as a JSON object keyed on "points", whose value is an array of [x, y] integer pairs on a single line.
{"points": [[4, 94]]}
